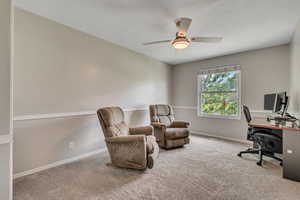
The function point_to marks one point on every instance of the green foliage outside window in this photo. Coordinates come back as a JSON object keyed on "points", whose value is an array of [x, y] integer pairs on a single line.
{"points": [[219, 95]]}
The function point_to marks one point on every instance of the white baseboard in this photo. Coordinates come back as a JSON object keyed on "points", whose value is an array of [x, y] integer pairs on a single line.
{"points": [[194, 132], [58, 163]]}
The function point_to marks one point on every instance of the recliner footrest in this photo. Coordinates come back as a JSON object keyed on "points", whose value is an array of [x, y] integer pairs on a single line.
{"points": [[177, 142]]}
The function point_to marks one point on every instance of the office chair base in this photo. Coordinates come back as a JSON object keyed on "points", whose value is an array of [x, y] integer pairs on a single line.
{"points": [[250, 150], [261, 154], [259, 163]]}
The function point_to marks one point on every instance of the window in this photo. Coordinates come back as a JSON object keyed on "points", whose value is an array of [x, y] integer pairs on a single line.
{"points": [[219, 93]]}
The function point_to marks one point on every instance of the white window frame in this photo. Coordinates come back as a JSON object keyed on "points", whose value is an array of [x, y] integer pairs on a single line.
{"points": [[236, 68]]}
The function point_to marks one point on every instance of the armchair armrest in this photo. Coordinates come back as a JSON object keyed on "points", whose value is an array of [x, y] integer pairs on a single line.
{"points": [[128, 151], [158, 125], [126, 139], [179, 124], [143, 130]]}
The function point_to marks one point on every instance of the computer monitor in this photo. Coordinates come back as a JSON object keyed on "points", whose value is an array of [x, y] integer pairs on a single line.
{"points": [[281, 100], [269, 101]]}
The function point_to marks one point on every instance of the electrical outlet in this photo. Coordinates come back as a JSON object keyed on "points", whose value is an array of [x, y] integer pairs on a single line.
{"points": [[289, 151], [71, 145]]}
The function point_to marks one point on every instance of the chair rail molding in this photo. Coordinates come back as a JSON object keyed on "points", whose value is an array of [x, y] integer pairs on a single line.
{"points": [[69, 114], [185, 107]]}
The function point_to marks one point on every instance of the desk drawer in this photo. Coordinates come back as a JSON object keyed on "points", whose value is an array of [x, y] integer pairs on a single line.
{"points": [[291, 155]]}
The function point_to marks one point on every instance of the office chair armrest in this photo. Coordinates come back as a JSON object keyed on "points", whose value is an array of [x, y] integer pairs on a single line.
{"points": [[143, 130], [179, 124]]}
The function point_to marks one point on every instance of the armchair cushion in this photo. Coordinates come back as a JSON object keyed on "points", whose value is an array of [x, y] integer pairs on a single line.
{"points": [[111, 116], [161, 113], [117, 130], [179, 124], [175, 133], [143, 130]]}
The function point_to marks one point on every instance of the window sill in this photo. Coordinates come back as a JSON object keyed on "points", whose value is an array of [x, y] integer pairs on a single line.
{"points": [[219, 117]]}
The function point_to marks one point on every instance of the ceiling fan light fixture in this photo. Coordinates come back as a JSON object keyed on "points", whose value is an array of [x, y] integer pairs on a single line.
{"points": [[181, 40], [180, 43]]}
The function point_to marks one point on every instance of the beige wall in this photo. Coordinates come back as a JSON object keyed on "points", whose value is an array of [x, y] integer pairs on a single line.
{"points": [[5, 150], [4, 171], [45, 141], [263, 71], [295, 72], [61, 70], [4, 66]]}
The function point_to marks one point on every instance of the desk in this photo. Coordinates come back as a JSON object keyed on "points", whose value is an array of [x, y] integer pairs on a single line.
{"points": [[291, 147]]}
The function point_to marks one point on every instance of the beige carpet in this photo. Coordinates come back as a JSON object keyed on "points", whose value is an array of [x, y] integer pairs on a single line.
{"points": [[204, 170]]}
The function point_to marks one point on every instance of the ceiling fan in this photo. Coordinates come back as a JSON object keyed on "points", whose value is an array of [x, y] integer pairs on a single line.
{"points": [[182, 41]]}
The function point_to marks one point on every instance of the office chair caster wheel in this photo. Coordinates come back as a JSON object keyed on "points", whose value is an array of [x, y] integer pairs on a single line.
{"points": [[259, 163], [239, 155]]}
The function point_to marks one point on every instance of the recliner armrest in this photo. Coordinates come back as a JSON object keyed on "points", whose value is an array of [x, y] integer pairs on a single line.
{"points": [[143, 130], [128, 151], [126, 139], [158, 125], [179, 124]]}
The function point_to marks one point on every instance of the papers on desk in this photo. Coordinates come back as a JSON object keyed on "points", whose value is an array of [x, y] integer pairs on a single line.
{"points": [[273, 122], [288, 124]]}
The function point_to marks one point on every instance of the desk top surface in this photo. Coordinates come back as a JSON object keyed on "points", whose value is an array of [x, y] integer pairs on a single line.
{"points": [[263, 123]]}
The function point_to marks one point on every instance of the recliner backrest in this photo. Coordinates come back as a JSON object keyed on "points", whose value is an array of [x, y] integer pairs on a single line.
{"points": [[112, 121], [247, 113], [161, 113]]}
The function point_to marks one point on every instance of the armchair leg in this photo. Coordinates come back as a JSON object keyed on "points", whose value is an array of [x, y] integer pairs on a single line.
{"points": [[150, 162]]}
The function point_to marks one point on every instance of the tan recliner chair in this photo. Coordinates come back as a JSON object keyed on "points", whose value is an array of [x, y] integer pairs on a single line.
{"points": [[168, 133], [134, 148]]}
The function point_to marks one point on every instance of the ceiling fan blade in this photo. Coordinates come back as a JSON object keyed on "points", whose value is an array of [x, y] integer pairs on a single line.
{"points": [[183, 24], [157, 42], [206, 39]]}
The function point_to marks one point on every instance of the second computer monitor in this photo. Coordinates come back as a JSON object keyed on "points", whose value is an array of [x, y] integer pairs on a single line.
{"points": [[280, 101], [269, 101]]}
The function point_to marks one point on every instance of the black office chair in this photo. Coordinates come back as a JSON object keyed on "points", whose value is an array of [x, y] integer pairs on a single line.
{"points": [[266, 142]]}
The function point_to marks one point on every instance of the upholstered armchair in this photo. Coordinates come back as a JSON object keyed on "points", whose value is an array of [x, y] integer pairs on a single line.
{"points": [[168, 132], [134, 148]]}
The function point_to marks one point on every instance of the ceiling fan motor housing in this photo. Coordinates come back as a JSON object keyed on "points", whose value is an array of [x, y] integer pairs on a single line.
{"points": [[180, 34], [181, 41]]}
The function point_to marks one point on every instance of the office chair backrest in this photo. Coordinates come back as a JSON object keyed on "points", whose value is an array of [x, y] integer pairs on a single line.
{"points": [[247, 113]]}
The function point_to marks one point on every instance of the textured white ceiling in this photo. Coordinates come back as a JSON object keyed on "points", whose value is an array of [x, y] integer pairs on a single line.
{"points": [[244, 24]]}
